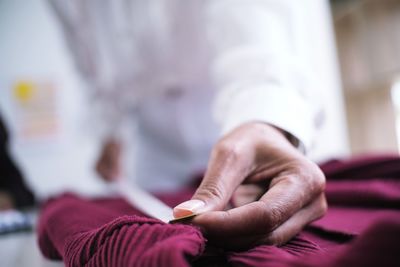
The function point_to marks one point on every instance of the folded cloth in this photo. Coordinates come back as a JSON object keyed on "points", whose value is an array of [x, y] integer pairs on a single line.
{"points": [[361, 228]]}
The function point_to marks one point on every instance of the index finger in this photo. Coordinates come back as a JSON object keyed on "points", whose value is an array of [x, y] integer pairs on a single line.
{"points": [[226, 170]]}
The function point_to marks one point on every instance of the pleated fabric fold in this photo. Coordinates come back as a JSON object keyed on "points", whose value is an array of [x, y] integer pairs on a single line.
{"points": [[361, 228]]}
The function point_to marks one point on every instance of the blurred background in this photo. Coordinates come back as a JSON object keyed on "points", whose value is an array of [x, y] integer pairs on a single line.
{"points": [[354, 55], [368, 43]]}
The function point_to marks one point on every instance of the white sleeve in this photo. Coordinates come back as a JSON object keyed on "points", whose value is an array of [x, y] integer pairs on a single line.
{"points": [[91, 50], [257, 69]]}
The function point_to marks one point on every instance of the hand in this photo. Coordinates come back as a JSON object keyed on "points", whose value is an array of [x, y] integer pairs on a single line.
{"points": [[275, 190], [109, 163]]}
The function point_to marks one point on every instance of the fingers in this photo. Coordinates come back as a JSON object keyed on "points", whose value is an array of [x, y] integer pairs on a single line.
{"points": [[108, 165], [297, 222], [287, 195], [228, 167], [256, 154], [233, 159], [287, 230], [247, 193], [106, 172]]}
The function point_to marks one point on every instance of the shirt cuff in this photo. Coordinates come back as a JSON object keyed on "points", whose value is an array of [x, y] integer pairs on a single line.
{"points": [[272, 104]]}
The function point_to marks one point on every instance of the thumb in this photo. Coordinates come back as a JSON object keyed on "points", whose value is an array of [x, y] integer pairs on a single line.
{"points": [[226, 171]]}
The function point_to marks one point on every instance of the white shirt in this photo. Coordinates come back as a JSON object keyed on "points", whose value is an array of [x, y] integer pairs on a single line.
{"points": [[188, 71]]}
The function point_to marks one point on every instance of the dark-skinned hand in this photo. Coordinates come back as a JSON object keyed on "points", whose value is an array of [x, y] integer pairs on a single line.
{"points": [[258, 189]]}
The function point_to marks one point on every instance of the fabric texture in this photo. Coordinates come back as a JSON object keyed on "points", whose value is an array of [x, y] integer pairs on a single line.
{"points": [[361, 228]]}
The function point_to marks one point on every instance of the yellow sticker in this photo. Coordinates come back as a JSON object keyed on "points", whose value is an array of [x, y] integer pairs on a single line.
{"points": [[24, 91]]}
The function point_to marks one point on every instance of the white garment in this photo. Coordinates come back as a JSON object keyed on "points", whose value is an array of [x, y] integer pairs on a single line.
{"points": [[164, 61]]}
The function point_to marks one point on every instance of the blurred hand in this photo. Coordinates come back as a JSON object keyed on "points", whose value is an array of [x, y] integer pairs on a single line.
{"points": [[109, 163], [275, 190]]}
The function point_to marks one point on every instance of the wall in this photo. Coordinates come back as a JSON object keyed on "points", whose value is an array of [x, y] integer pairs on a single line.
{"points": [[31, 48], [368, 40]]}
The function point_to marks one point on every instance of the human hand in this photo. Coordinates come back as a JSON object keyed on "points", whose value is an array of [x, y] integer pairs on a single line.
{"points": [[109, 163], [275, 190]]}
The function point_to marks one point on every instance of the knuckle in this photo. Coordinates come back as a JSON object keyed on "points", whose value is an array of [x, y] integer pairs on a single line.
{"points": [[323, 207], [227, 150], [319, 178], [277, 215], [272, 216], [311, 175], [318, 185], [211, 190]]}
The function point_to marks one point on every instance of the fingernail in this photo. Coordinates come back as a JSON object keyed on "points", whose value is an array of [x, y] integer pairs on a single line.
{"points": [[188, 208]]}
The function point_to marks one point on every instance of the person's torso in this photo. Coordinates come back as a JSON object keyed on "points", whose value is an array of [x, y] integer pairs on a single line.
{"points": [[161, 55]]}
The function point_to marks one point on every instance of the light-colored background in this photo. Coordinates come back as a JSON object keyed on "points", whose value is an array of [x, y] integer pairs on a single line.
{"points": [[368, 41], [32, 48]]}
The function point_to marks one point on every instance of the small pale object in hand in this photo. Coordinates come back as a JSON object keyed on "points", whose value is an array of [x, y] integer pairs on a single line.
{"points": [[187, 210], [182, 219]]}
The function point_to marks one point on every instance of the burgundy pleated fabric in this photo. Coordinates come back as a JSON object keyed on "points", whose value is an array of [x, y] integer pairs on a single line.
{"points": [[361, 228]]}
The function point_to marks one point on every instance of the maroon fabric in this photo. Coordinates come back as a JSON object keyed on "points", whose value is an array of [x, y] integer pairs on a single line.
{"points": [[361, 228]]}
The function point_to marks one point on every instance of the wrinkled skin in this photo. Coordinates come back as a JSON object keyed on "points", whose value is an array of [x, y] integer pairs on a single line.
{"points": [[274, 189], [258, 188]]}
